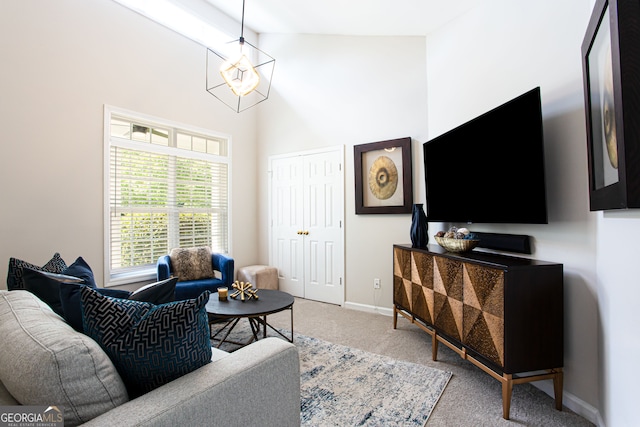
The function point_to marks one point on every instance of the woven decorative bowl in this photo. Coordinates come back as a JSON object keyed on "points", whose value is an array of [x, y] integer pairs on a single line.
{"points": [[457, 245]]}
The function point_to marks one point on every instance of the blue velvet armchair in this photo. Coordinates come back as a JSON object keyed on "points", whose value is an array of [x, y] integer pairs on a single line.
{"points": [[221, 263]]}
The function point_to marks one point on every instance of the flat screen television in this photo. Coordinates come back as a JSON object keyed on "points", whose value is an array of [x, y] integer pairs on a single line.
{"points": [[490, 169]]}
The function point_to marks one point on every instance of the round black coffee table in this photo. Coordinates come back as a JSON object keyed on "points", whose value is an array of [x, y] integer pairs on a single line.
{"points": [[256, 310]]}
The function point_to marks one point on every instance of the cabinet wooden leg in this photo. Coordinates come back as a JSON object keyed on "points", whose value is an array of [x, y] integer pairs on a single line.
{"points": [[507, 388], [395, 317], [557, 389]]}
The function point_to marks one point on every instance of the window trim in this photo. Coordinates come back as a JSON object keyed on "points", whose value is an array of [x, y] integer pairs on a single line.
{"points": [[149, 274]]}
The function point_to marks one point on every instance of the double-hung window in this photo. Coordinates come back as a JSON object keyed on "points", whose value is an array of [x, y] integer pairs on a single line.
{"points": [[166, 186]]}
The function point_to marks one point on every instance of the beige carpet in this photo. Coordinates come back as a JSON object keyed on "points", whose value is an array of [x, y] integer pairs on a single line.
{"points": [[472, 398]]}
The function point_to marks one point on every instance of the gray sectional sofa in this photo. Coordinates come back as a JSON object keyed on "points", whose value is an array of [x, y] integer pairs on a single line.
{"points": [[44, 361]]}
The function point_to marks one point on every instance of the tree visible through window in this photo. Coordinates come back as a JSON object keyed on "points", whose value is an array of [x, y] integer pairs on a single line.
{"points": [[167, 187]]}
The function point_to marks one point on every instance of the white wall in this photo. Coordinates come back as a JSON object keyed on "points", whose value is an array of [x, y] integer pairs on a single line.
{"points": [[618, 294], [61, 62], [336, 90], [490, 55]]}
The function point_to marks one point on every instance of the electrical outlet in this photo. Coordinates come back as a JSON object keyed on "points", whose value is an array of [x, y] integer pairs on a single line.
{"points": [[376, 283]]}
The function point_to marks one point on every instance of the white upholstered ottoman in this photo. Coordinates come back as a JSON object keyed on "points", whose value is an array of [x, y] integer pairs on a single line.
{"points": [[260, 276]]}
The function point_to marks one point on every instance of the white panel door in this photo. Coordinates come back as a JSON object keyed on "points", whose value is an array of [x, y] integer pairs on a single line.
{"points": [[287, 224], [323, 211], [307, 224]]}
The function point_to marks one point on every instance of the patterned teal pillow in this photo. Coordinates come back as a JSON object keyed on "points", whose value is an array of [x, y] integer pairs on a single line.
{"points": [[150, 345], [14, 273]]}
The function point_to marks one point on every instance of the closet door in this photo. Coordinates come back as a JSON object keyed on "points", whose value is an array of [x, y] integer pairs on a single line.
{"points": [[307, 224], [323, 212], [286, 246]]}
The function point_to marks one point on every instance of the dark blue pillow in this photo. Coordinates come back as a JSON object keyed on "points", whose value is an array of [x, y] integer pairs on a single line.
{"points": [[160, 292], [150, 345], [46, 286], [70, 294], [81, 269], [70, 301], [156, 293]]}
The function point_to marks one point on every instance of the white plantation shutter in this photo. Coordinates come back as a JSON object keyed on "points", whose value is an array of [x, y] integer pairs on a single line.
{"points": [[161, 196]]}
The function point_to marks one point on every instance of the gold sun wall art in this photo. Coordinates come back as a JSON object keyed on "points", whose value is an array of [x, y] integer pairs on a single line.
{"points": [[383, 177]]}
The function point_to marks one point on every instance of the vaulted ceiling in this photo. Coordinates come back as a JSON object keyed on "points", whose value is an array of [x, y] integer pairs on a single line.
{"points": [[346, 17]]}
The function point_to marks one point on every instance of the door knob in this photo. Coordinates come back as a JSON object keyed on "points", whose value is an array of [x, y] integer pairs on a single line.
{"points": [[306, 233]]}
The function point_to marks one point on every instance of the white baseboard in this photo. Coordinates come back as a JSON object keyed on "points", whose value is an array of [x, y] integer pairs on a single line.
{"points": [[368, 308], [569, 400]]}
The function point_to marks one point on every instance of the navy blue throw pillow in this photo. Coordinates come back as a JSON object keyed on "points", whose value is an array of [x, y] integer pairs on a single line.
{"points": [[46, 286], [70, 300], [81, 269], [156, 293], [160, 292], [150, 345], [70, 293]]}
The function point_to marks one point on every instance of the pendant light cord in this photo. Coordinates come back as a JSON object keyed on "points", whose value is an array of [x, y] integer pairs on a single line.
{"points": [[242, 24]]}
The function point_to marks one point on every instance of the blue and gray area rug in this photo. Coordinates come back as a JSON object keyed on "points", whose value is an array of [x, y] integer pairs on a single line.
{"points": [[343, 386]]}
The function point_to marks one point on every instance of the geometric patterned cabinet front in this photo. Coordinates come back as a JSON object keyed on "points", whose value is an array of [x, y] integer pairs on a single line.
{"points": [[502, 313]]}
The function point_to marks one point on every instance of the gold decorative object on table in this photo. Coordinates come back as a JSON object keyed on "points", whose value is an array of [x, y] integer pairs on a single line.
{"points": [[244, 290]]}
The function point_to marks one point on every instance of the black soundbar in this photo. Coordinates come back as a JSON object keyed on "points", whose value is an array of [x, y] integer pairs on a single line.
{"points": [[519, 243]]}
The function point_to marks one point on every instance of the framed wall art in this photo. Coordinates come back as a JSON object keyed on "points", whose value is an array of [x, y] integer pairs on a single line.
{"points": [[383, 177], [611, 73]]}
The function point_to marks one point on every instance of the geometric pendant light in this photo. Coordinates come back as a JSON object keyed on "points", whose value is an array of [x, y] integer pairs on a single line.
{"points": [[240, 75]]}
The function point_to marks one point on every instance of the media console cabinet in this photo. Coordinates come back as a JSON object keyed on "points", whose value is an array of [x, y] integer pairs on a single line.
{"points": [[504, 314]]}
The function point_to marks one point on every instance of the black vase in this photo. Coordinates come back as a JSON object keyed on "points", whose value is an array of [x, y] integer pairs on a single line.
{"points": [[419, 227]]}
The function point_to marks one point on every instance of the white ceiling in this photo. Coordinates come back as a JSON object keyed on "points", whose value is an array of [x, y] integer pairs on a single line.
{"points": [[346, 17]]}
